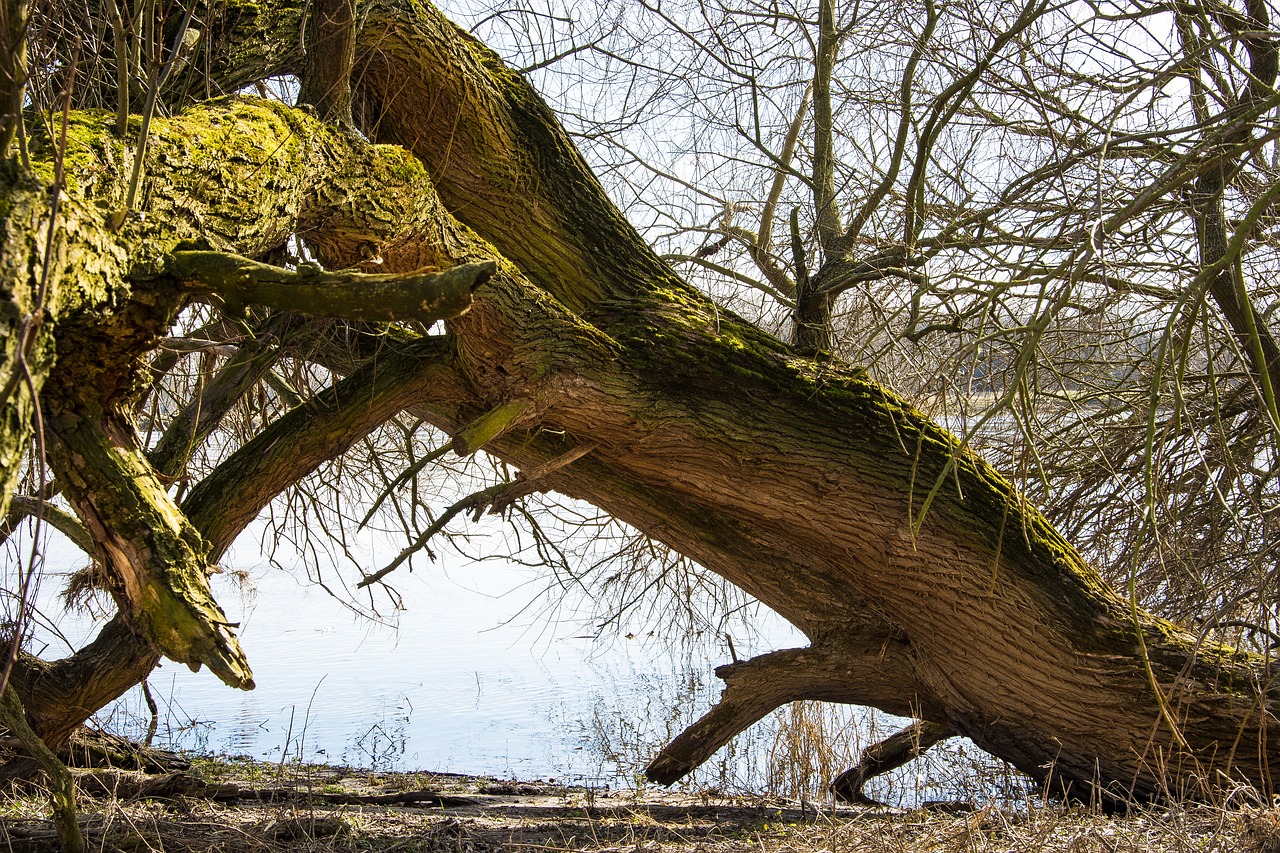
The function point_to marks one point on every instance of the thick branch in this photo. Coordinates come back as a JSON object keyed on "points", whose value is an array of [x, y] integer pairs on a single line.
{"points": [[330, 53], [424, 295], [60, 695], [321, 429], [889, 754], [867, 671], [498, 160], [25, 506], [156, 555]]}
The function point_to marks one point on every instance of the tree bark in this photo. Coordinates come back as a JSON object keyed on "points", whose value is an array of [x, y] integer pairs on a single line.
{"points": [[926, 584], [241, 175], [330, 46], [1006, 634]]}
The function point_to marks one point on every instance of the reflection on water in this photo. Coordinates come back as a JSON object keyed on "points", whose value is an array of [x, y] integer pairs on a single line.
{"points": [[461, 684]]}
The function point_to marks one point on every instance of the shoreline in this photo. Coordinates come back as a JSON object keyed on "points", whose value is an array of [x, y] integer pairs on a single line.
{"points": [[227, 803]]}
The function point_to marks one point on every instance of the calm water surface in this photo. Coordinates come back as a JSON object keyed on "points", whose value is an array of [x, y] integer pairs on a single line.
{"points": [[460, 680], [467, 678]]}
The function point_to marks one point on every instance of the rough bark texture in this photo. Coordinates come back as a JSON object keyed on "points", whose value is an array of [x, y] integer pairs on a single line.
{"points": [[331, 51], [237, 174], [927, 585], [696, 415], [60, 695]]}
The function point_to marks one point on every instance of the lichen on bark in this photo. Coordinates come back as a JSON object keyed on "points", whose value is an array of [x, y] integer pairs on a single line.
{"points": [[238, 174]]}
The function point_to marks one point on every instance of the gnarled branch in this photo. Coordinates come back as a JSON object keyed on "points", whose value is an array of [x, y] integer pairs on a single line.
{"points": [[425, 295]]}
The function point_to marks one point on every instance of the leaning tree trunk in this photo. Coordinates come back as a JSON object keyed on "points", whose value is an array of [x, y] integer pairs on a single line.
{"points": [[927, 585]]}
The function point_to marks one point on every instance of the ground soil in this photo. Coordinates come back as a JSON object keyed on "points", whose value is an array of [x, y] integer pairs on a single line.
{"points": [[234, 805]]}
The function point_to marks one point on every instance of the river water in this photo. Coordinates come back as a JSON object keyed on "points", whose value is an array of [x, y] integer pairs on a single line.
{"points": [[468, 678]]}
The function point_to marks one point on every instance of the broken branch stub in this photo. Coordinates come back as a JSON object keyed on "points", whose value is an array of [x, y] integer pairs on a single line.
{"points": [[491, 425]]}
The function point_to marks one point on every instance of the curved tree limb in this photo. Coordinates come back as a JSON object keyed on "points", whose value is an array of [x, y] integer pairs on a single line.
{"points": [[862, 670], [60, 695], [143, 539], [696, 415], [889, 754], [224, 502], [26, 506]]}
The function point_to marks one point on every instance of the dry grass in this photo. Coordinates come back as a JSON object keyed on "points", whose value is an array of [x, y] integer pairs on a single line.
{"points": [[542, 816]]}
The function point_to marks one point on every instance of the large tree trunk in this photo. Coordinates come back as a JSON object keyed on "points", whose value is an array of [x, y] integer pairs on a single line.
{"points": [[927, 586]]}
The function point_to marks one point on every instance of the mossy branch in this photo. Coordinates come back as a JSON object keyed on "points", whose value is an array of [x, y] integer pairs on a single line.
{"points": [[25, 506], [324, 427], [143, 538], [62, 789], [425, 295], [13, 72], [493, 423]]}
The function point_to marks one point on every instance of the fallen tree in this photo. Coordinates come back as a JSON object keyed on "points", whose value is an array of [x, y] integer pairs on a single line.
{"points": [[928, 587]]}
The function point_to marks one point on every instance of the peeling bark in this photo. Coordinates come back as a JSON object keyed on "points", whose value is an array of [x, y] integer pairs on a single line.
{"points": [[156, 558]]}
